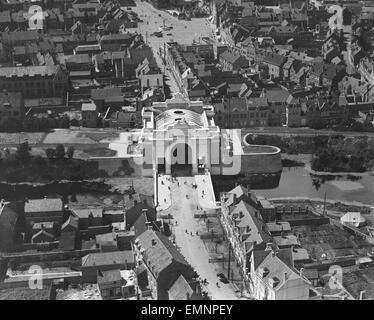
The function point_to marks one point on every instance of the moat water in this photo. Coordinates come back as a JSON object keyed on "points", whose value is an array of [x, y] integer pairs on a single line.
{"points": [[298, 182]]}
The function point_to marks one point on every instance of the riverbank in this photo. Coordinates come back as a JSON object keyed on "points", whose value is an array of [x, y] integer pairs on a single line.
{"points": [[318, 204], [304, 160]]}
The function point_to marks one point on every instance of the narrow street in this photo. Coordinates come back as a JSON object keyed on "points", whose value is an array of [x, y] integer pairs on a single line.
{"points": [[184, 204]]}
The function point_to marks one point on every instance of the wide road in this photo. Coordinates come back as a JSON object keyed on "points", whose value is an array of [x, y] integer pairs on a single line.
{"points": [[184, 203], [183, 32]]}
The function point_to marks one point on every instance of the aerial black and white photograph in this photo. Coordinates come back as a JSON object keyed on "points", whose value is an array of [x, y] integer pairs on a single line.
{"points": [[194, 150]]}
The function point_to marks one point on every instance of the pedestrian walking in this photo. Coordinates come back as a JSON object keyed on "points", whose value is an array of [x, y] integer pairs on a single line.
{"points": [[191, 233], [186, 231], [165, 200]]}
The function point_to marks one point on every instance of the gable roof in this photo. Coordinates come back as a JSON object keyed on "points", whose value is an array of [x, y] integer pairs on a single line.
{"points": [[252, 226], [72, 222], [134, 213], [159, 252], [180, 290], [8, 214], [42, 232], [277, 269]]}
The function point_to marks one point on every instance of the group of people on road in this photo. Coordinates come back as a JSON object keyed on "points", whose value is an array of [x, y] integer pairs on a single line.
{"points": [[186, 231]]}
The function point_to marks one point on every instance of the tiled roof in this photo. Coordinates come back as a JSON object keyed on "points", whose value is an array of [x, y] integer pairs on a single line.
{"points": [[78, 58], [85, 213], [252, 226], [180, 290], [30, 71], [43, 205], [8, 214], [278, 226], [109, 276], [101, 94], [276, 95], [118, 37], [71, 221], [159, 252], [107, 258], [277, 269], [231, 57], [274, 59], [20, 35], [287, 240]]}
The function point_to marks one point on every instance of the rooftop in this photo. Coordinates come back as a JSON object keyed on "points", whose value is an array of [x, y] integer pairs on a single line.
{"points": [[29, 71], [86, 213], [43, 205], [108, 258]]}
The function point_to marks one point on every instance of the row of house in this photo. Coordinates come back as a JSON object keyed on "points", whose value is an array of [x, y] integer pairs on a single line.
{"points": [[266, 252]]}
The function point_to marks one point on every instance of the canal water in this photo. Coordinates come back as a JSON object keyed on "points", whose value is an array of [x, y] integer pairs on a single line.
{"points": [[299, 182]]}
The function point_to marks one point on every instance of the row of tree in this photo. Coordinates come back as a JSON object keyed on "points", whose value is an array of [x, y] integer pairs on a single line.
{"points": [[10, 124], [340, 154], [59, 164]]}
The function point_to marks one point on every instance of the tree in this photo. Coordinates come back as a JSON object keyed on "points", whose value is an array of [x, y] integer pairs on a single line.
{"points": [[50, 153], [23, 153], [74, 123], [70, 152], [60, 152], [64, 122]]}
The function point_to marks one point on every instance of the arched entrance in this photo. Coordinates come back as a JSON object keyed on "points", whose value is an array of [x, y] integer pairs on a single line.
{"points": [[181, 160]]}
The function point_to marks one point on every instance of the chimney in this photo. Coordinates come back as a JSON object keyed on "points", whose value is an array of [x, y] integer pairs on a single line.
{"points": [[234, 198], [301, 272], [273, 253], [268, 246], [285, 276], [154, 242]]}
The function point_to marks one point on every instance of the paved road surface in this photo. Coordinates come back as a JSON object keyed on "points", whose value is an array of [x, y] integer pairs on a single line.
{"points": [[183, 32], [164, 198], [191, 246]]}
